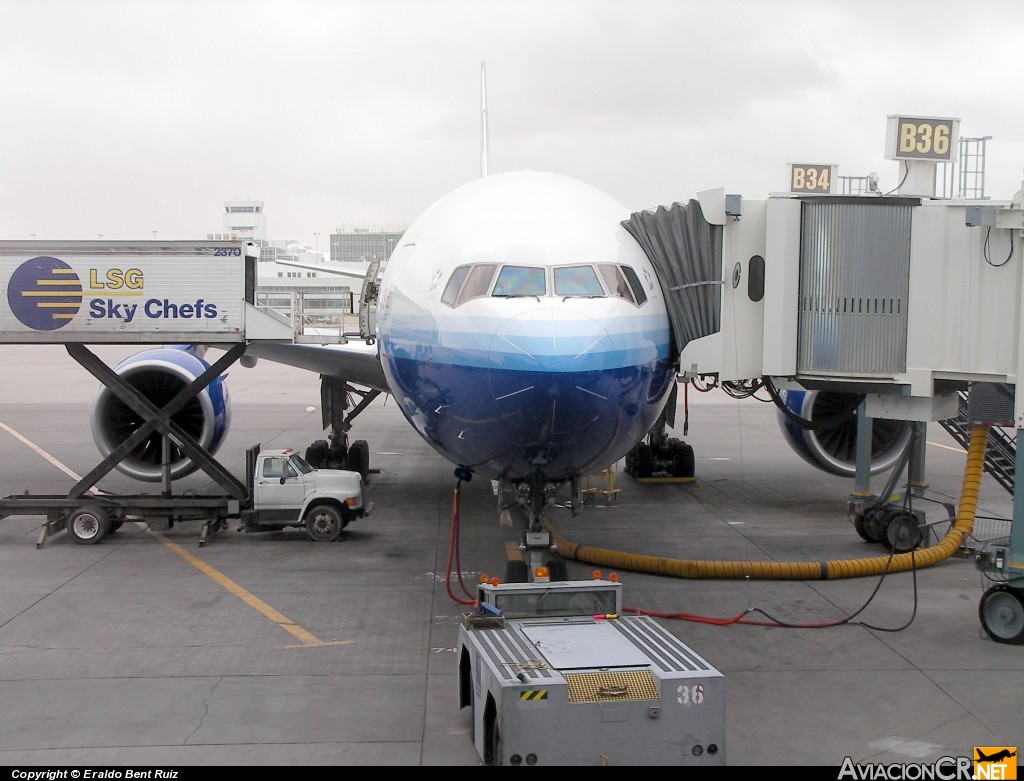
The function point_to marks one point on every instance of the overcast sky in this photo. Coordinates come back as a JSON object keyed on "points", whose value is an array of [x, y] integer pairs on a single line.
{"points": [[124, 118]]}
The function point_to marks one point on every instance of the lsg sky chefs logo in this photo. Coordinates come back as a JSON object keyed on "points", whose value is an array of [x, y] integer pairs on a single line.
{"points": [[45, 294], [989, 763]]}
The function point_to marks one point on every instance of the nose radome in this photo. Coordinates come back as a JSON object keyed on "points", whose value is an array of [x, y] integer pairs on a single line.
{"points": [[549, 340], [542, 369]]}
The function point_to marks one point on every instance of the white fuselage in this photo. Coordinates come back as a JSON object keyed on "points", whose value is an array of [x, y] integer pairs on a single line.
{"points": [[522, 329]]}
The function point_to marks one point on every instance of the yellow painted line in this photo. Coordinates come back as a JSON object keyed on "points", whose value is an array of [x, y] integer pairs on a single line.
{"points": [[947, 447], [46, 456], [307, 639]]}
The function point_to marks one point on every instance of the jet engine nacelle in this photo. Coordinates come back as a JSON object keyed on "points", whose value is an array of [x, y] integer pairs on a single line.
{"points": [[832, 446], [159, 375]]}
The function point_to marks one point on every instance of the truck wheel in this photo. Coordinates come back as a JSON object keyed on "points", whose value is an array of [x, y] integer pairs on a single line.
{"points": [[87, 525], [323, 523]]}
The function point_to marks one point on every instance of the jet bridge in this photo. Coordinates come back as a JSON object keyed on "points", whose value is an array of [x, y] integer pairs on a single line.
{"points": [[909, 302]]}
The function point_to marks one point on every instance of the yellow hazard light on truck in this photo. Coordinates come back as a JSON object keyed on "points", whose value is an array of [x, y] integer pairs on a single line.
{"points": [[542, 575], [352, 501]]}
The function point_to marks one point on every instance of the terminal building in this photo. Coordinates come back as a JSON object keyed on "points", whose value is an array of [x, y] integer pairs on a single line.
{"points": [[361, 245], [287, 276]]}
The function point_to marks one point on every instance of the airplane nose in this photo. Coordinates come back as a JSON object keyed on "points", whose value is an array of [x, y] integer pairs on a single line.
{"points": [[542, 365]]}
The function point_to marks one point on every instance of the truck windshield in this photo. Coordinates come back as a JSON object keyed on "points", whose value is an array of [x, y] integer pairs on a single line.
{"points": [[300, 464]]}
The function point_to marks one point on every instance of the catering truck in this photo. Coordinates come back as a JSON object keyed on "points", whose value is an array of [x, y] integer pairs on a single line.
{"points": [[556, 674], [284, 491]]}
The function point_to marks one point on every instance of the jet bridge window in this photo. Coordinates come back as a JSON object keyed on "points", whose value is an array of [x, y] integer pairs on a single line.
{"points": [[520, 281], [577, 281]]}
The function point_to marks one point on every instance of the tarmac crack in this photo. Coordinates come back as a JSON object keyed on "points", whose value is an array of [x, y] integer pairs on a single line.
{"points": [[206, 710]]}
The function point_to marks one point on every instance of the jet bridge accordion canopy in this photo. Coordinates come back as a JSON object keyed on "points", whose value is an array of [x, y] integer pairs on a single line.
{"points": [[686, 251]]}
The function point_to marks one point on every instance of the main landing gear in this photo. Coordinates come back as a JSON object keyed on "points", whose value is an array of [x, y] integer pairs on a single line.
{"points": [[336, 452]]}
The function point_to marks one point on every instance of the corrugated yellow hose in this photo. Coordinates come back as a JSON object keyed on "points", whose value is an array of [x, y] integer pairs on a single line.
{"points": [[806, 570]]}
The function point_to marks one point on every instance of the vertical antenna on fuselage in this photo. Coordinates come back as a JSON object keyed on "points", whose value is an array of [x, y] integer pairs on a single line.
{"points": [[483, 119]]}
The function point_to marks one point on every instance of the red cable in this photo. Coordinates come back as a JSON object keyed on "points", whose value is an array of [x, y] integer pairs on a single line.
{"points": [[453, 553]]}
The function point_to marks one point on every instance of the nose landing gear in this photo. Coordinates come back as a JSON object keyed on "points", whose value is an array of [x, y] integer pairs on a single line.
{"points": [[538, 556]]}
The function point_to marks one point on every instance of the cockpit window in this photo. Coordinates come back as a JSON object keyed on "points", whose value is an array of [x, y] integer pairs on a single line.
{"points": [[478, 283], [520, 281], [634, 284], [577, 281], [473, 281], [451, 291], [615, 281]]}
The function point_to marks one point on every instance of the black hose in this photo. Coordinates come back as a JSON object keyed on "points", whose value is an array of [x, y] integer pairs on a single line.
{"points": [[804, 423]]}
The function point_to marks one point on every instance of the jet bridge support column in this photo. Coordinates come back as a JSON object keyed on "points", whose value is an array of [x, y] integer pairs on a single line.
{"points": [[1001, 608], [861, 497]]}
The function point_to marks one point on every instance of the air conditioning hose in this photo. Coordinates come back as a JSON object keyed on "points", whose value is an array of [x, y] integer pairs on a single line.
{"points": [[803, 570]]}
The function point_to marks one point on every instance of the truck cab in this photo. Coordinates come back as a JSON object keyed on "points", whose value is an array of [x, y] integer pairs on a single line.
{"points": [[287, 491]]}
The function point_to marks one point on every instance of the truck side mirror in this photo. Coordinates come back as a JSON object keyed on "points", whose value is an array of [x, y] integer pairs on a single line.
{"points": [[283, 478]]}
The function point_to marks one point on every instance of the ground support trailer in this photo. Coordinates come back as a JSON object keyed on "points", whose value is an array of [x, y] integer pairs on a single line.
{"points": [[89, 519], [555, 674]]}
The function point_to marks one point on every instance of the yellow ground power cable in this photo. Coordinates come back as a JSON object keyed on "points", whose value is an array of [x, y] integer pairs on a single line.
{"points": [[806, 570]]}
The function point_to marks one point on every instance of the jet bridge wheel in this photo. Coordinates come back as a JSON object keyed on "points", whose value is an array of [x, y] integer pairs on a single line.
{"points": [[871, 525], [902, 531], [1002, 614], [88, 525]]}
